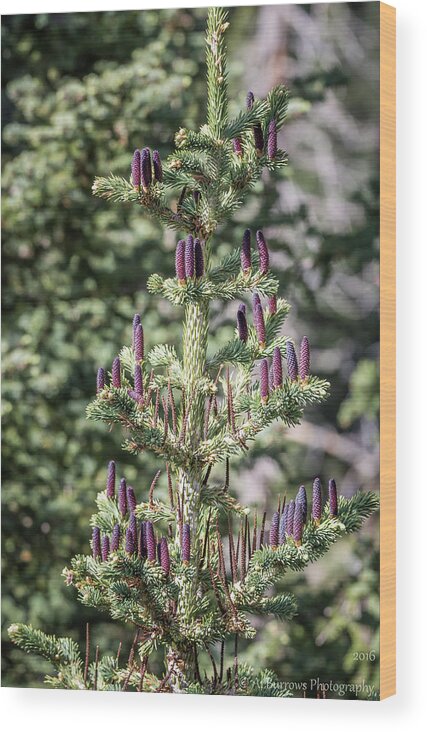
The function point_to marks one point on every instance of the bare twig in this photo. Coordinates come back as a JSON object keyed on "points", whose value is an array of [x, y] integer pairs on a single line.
{"points": [[130, 660], [164, 681], [172, 406], [254, 538], [170, 488], [215, 672], [87, 653], [242, 553], [221, 661], [236, 662], [207, 474], [233, 558], [262, 532], [248, 536], [152, 487], [205, 541], [227, 474], [95, 675], [142, 672], [165, 418]]}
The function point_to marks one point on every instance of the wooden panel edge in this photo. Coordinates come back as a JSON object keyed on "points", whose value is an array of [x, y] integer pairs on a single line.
{"points": [[387, 350]]}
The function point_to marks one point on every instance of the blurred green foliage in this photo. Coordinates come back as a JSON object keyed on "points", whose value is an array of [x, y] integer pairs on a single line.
{"points": [[80, 92]]}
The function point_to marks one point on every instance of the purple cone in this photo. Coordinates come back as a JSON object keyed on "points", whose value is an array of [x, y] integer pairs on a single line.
{"points": [[146, 171], [136, 169], [96, 542], [164, 556], [333, 498], [256, 300], [237, 147], [250, 100], [115, 373], [304, 358], [290, 518], [272, 140], [180, 261], [274, 529], [136, 397], [277, 368], [157, 165], [302, 499], [133, 526], [259, 325], [316, 504], [122, 500], [272, 305], [131, 498], [137, 379], [100, 380], [130, 541], [258, 139], [111, 479], [135, 323], [115, 538], [189, 257], [198, 258], [245, 254], [282, 525], [186, 543], [298, 523], [105, 548], [264, 259], [142, 543], [151, 542], [139, 343], [196, 197], [264, 389], [242, 324], [292, 361]]}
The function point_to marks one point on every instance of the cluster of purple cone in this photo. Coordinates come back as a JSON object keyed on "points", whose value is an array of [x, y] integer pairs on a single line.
{"points": [[258, 320], [269, 377], [304, 360], [246, 252], [271, 144], [258, 313], [137, 539], [116, 367], [189, 259], [290, 520], [146, 167], [273, 377]]}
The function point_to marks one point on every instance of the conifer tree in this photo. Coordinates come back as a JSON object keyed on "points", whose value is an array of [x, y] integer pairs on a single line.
{"points": [[159, 560]]}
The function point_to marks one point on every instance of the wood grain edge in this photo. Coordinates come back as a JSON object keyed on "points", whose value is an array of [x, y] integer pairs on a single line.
{"points": [[387, 350]]}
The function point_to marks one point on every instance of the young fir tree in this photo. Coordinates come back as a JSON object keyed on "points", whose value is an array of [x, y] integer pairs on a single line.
{"points": [[164, 566]]}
